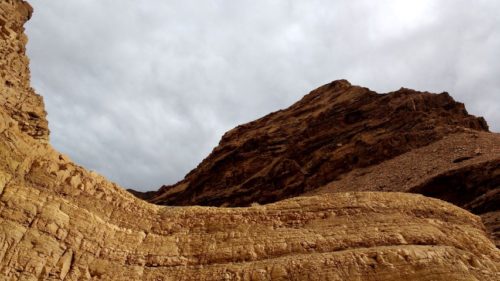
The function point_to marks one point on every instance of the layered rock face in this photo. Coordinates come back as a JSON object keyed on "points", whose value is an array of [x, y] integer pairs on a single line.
{"points": [[18, 98], [333, 130], [341, 138], [59, 221], [462, 168], [346, 138]]}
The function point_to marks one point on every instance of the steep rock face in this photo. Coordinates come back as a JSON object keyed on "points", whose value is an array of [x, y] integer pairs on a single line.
{"points": [[333, 130], [17, 97], [59, 221]]}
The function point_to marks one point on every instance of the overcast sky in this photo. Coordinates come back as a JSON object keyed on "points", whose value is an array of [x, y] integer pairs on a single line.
{"points": [[141, 91]]}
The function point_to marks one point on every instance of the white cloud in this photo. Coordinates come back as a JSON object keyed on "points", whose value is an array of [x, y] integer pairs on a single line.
{"points": [[141, 91]]}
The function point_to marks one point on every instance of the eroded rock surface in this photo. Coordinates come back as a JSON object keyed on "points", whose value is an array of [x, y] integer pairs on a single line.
{"points": [[333, 130], [18, 98], [462, 168], [59, 221], [341, 138]]}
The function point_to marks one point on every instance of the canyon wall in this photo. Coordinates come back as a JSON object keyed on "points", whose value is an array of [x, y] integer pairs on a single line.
{"points": [[18, 99]]}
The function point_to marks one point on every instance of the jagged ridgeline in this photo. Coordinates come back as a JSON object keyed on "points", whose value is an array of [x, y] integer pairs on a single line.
{"points": [[333, 130], [59, 221], [342, 137]]}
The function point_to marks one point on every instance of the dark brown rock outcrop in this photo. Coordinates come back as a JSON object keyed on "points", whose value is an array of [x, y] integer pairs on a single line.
{"points": [[333, 130]]}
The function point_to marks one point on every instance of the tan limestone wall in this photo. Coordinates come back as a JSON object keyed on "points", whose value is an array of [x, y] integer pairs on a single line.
{"points": [[16, 95]]}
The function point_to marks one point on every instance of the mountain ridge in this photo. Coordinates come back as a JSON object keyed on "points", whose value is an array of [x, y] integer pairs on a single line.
{"points": [[332, 130]]}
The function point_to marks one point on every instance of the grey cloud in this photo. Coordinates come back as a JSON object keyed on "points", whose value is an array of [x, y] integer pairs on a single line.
{"points": [[141, 91]]}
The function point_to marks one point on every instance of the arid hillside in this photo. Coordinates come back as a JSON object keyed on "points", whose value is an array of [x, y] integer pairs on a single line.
{"points": [[59, 221], [341, 138], [333, 130]]}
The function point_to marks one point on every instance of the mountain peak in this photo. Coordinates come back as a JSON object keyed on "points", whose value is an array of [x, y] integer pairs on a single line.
{"points": [[334, 129]]}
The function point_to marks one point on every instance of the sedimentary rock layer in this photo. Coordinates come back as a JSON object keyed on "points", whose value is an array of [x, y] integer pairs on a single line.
{"points": [[342, 137], [59, 221], [462, 168], [333, 130], [18, 98]]}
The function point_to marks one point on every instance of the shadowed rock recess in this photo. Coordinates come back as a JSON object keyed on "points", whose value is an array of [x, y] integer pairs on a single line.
{"points": [[59, 221]]}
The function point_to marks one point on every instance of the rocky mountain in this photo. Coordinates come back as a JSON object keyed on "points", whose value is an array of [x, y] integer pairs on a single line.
{"points": [[342, 137], [59, 221]]}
